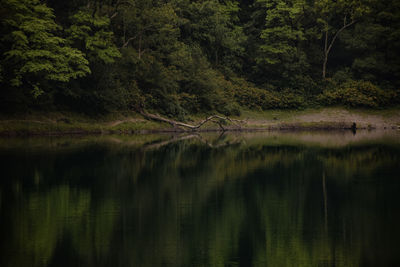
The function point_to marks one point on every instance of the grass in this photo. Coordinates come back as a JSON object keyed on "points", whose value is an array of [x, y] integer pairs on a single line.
{"points": [[70, 123], [78, 127]]}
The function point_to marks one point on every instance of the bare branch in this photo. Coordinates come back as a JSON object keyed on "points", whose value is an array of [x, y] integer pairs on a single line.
{"points": [[141, 53], [118, 4], [327, 48], [337, 34], [214, 118], [127, 41], [138, 34], [114, 15]]}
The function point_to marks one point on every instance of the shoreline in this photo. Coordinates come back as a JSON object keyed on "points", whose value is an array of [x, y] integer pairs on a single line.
{"points": [[324, 119], [276, 128]]}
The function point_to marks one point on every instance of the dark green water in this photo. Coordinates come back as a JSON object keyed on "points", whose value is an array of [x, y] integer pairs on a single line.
{"points": [[267, 199]]}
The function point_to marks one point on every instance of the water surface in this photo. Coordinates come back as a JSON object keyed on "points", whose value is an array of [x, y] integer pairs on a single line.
{"points": [[264, 199]]}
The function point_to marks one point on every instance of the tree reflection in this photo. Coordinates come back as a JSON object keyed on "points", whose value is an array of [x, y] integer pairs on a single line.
{"points": [[186, 203]]}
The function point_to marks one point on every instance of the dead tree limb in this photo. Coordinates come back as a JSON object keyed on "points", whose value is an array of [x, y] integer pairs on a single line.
{"points": [[328, 47], [217, 119]]}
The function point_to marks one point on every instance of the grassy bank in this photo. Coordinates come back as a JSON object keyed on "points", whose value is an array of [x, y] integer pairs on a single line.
{"points": [[128, 123], [70, 123]]}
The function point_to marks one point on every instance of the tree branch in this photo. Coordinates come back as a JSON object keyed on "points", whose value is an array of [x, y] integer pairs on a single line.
{"points": [[337, 34], [117, 5], [214, 118], [114, 15], [127, 41], [134, 37]]}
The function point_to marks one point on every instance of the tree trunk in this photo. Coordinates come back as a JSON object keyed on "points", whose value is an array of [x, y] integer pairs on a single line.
{"points": [[140, 46], [327, 48], [325, 55]]}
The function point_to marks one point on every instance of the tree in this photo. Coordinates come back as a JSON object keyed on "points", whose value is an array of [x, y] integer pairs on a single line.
{"points": [[214, 26], [91, 34], [335, 17], [375, 44], [33, 53], [281, 49], [148, 36]]}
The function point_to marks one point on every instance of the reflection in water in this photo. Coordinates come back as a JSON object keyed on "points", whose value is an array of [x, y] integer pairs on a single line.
{"points": [[234, 200]]}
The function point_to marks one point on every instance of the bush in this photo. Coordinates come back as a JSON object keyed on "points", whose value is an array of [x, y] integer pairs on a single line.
{"points": [[246, 95], [189, 102], [229, 109], [342, 75], [356, 94], [304, 85], [290, 100], [261, 99]]}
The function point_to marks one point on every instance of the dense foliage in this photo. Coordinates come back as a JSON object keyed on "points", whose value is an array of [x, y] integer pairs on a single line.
{"points": [[181, 56]]}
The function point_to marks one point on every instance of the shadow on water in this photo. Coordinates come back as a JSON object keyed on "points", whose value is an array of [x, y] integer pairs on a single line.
{"points": [[244, 199]]}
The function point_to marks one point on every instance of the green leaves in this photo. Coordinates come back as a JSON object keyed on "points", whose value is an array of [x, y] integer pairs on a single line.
{"points": [[281, 51], [33, 52], [214, 26], [162, 52], [282, 29], [91, 35]]}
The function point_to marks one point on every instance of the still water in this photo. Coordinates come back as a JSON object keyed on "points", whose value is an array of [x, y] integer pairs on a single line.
{"points": [[264, 199]]}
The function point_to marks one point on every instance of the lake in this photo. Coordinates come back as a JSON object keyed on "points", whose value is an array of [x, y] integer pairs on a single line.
{"points": [[238, 199]]}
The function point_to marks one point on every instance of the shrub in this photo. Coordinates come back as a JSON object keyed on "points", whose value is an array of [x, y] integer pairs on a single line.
{"points": [[255, 98], [356, 94], [290, 100], [246, 95], [189, 102], [229, 109]]}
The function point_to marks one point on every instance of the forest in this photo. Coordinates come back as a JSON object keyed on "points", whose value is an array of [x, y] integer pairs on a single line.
{"points": [[180, 57]]}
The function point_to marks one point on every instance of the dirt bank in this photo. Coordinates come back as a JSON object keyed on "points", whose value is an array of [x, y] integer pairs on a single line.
{"points": [[315, 119]]}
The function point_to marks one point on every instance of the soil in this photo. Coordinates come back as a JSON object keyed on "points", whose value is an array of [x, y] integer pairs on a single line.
{"points": [[338, 117], [321, 119]]}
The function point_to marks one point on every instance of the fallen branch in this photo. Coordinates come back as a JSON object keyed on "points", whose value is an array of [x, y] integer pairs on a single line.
{"points": [[217, 119]]}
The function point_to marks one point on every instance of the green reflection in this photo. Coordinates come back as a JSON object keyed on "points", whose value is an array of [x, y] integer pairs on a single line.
{"points": [[40, 218], [231, 200]]}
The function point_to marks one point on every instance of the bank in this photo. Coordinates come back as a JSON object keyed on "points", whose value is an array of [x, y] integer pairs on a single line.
{"points": [[66, 123]]}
